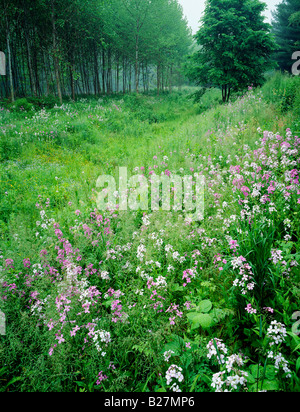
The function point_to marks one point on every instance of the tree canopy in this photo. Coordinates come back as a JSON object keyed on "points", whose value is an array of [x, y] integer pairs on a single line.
{"points": [[235, 46], [70, 47], [286, 27]]}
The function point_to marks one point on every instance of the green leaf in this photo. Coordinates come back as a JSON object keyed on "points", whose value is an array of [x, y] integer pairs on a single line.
{"points": [[270, 372], [176, 287], [82, 384], [298, 364], [270, 386], [16, 379], [204, 306], [256, 371], [200, 319], [194, 382], [175, 345], [2, 371], [250, 379]]}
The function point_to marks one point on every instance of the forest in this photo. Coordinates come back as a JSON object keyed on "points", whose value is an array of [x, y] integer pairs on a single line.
{"points": [[149, 199], [92, 47]]}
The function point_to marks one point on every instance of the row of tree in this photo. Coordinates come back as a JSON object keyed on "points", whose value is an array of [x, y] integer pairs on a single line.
{"points": [[71, 47]]}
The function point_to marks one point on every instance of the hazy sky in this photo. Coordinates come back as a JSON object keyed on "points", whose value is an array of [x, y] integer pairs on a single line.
{"points": [[193, 10]]}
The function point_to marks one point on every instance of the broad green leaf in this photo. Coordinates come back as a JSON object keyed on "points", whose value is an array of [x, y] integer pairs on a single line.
{"points": [[269, 386], [256, 371], [204, 306], [270, 372], [200, 319], [250, 378]]}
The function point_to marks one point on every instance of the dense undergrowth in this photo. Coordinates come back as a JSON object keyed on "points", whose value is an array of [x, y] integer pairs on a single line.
{"points": [[141, 300]]}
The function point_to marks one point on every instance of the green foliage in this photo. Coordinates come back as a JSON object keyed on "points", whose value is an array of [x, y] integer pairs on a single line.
{"points": [[283, 92], [69, 43], [223, 60], [286, 29]]}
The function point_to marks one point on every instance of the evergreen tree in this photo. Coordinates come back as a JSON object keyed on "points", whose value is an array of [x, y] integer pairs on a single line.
{"points": [[286, 27]]}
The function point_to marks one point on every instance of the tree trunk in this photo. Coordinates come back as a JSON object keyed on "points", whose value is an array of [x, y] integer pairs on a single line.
{"points": [[36, 73], [46, 75], [137, 63], [29, 60], [11, 80], [97, 80], [158, 78], [226, 93], [117, 75], [72, 82], [130, 74], [229, 91], [55, 51], [109, 72], [124, 75], [170, 79], [103, 70]]}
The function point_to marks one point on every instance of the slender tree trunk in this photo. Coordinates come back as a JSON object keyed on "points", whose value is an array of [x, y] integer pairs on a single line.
{"points": [[46, 75], [97, 79], [124, 75], [16, 75], [55, 51], [23, 69], [170, 78], [51, 76], [229, 91], [86, 76], [144, 77], [158, 78], [225, 93], [29, 60], [137, 63], [72, 83], [118, 75], [147, 78], [36, 72], [130, 73], [11, 80], [109, 72], [103, 71]]}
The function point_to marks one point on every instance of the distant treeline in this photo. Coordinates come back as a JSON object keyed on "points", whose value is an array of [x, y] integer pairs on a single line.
{"points": [[71, 47]]}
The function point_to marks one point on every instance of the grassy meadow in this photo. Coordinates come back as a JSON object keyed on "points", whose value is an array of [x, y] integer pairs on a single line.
{"points": [[151, 301]]}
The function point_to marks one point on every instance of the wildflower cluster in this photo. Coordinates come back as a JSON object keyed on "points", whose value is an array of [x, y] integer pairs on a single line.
{"points": [[231, 377], [174, 372], [276, 335], [245, 280]]}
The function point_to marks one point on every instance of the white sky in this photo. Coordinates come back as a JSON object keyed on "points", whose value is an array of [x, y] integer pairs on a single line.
{"points": [[193, 10]]}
